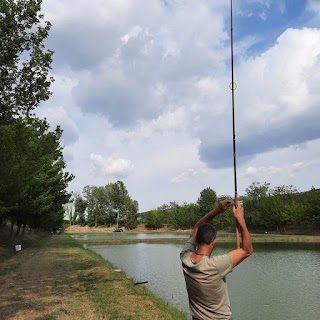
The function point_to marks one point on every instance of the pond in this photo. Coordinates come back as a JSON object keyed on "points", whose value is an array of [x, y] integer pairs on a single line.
{"points": [[122, 235], [279, 281]]}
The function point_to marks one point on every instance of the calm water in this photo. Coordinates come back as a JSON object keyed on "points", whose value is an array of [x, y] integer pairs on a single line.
{"points": [[279, 281], [122, 235]]}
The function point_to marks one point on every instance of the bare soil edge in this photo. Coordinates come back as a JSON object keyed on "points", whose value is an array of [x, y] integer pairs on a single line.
{"points": [[223, 236], [141, 228], [56, 278]]}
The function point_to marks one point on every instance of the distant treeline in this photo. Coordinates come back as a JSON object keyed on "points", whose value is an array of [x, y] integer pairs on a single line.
{"points": [[106, 205], [278, 209]]}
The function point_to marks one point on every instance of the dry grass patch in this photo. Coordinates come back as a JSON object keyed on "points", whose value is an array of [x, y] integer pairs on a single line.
{"points": [[141, 228], [39, 283], [57, 278]]}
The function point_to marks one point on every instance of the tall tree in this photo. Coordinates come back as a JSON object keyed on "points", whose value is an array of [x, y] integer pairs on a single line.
{"points": [[47, 179], [110, 204], [154, 219], [90, 198], [33, 181], [34, 189], [207, 200], [258, 190], [132, 214], [24, 60], [80, 208], [121, 205], [254, 196], [311, 201]]}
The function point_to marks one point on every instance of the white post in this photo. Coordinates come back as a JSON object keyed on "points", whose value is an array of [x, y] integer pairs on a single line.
{"points": [[117, 219]]}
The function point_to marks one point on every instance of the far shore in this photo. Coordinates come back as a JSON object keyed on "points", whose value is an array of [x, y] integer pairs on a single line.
{"points": [[222, 235], [141, 228]]}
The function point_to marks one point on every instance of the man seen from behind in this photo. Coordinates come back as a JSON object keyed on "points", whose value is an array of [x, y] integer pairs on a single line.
{"points": [[205, 274]]}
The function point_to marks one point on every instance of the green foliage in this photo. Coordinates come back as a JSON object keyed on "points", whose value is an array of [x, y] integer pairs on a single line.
{"points": [[80, 208], [33, 184], [185, 215], [226, 219], [174, 215], [110, 204], [257, 190], [280, 207], [207, 200], [154, 219], [311, 201], [266, 208], [24, 62], [131, 218]]}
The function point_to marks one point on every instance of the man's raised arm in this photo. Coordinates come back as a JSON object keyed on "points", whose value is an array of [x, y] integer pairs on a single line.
{"points": [[222, 207], [246, 250]]}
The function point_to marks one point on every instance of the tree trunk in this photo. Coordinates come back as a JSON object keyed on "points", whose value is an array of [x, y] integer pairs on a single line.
{"points": [[95, 218], [18, 229], [11, 229], [24, 229]]}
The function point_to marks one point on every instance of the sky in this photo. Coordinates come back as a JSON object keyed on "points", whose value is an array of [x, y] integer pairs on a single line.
{"points": [[142, 93]]}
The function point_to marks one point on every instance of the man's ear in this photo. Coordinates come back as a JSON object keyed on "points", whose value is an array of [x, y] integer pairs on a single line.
{"points": [[213, 242]]}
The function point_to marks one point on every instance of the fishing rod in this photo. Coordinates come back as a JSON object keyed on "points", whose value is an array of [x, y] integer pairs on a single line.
{"points": [[233, 87]]}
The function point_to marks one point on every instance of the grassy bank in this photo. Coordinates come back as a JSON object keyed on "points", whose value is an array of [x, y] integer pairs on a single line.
{"points": [[54, 277], [221, 239], [222, 235]]}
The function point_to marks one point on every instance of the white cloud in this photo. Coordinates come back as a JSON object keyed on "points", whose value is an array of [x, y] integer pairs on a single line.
{"points": [[111, 166], [58, 116], [137, 54], [298, 166], [314, 5], [295, 165], [267, 172], [276, 100], [174, 121], [263, 15], [145, 92], [184, 176], [134, 32]]}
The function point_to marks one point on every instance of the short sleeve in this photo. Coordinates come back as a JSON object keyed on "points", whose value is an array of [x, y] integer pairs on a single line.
{"points": [[224, 264], [190, 246]]}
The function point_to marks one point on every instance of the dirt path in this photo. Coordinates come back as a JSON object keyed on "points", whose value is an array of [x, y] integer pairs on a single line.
{"points": [[76, 229], [37, 284], [57, 279]]}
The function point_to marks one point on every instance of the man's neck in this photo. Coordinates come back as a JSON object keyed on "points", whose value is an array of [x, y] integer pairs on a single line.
{"points": [[204, 250]]}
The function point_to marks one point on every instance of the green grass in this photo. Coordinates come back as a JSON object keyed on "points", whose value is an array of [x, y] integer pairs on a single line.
{"points": [[56, 278], [222, 237]]}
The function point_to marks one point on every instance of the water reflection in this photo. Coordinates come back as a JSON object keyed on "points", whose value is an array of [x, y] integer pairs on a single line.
{"points": [[277, 246], [279, 281], [120, 235], [156, 263]]}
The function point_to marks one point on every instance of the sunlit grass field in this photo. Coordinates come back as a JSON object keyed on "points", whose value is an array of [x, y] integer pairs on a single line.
{"points": [[54, 277]]}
